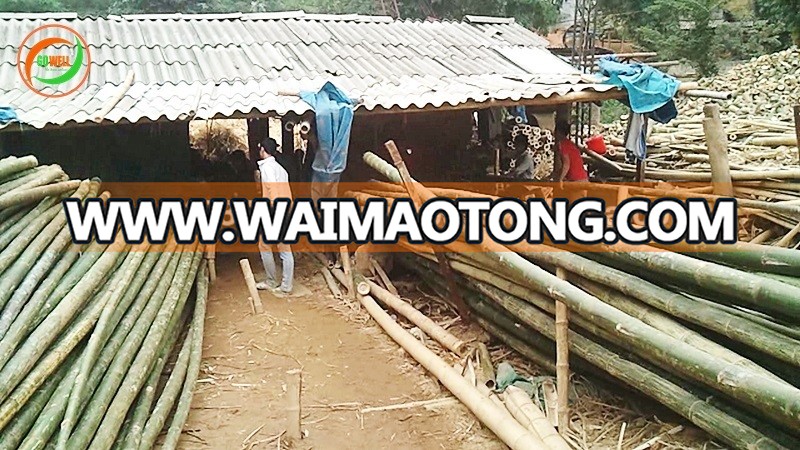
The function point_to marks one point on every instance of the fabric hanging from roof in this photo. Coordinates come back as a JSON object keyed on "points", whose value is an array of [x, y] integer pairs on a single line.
{"points": [[334, 119], [648, 88]]}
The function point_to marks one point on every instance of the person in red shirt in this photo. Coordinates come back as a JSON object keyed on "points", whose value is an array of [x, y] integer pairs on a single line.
{"points": [[572, 168]]}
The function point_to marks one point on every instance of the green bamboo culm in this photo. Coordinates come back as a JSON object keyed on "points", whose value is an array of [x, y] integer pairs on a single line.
{"points": [[26, 356], [51, 240], [160, 276], [677, 304], [98, 339], [185, 400], [137, 375]]}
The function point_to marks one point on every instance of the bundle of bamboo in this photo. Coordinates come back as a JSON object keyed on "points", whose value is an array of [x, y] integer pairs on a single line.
{"points": [[716, 344], [86, 331]]}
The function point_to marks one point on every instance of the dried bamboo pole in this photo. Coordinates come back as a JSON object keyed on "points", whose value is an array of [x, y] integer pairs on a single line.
{"points": [[428, 326], [293, 406], [348, 272], [531, 417], [505, 427], [562, 359], [255, 298]]}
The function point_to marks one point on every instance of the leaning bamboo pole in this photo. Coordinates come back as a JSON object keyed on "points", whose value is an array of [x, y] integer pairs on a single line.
{"points": [[428, 326], [504, 426]]}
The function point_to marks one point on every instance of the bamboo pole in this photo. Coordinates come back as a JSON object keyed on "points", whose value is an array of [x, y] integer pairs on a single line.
{"points": [[531, 417], [504, 426], [562, 359], [211, 262], [717, 142], [255, 299], [797, 127], [431, 328], [293, 406], [484, 367], [383, 276], [335, 291], [789, 237], [348, 272]]}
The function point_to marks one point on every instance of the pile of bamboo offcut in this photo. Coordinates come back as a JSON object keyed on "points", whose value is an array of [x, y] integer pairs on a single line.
{"points": [[714, 336], [86, 332], [758, 119]]}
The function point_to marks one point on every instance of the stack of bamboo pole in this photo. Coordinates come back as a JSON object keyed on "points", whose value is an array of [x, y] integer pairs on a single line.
{"points": [[716, 340], [86, 332]]}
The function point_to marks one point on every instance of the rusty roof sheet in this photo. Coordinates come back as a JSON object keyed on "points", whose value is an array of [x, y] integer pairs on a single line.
{"points": [[219, 65]]}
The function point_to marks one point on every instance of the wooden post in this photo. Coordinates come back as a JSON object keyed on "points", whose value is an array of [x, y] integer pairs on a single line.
{"points": [[797, 127], [562, 360], [348, 271], [717, 143], [294, 385], [249, 279]]}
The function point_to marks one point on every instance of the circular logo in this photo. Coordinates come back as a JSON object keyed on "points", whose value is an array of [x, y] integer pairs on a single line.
{"points": [[53, 58]]}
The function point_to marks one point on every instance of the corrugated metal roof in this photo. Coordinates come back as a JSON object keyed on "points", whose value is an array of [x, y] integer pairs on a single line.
{"points": [[204, 66]]}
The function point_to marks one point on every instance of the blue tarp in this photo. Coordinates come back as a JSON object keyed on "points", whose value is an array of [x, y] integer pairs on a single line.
{"points": [[648, 89], [7, 114], [334, 117]]}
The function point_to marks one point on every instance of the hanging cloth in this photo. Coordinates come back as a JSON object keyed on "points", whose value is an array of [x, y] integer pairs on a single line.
{"points": [[648, 88], [334, 119]]}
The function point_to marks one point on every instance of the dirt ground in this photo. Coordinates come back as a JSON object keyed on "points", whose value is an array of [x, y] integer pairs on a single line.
{"points": [[347, 366]]}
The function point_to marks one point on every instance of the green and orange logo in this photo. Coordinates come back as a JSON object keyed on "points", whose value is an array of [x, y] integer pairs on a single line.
{"points": [[54, 60]]}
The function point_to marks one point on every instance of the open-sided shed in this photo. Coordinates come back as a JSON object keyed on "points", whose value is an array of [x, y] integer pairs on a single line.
{"points": [[151, 74]]}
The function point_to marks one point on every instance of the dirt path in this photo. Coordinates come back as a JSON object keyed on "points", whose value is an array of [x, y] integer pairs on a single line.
{"points": [[346, 366]]}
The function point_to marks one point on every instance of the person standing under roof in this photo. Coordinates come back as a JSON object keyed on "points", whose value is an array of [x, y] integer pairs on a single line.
{"points": [[572, 168], [274, 185]]}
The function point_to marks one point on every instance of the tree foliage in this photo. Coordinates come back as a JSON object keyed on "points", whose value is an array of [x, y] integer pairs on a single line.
{"points": [[784, 12], [692, 30], [533, 13]]}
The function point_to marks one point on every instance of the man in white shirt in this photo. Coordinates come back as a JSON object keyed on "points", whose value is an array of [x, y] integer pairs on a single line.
{"points": [[274, 185]]}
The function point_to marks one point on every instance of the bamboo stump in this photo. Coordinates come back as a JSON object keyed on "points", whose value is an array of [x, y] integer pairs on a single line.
{"points": [[294, 385], [249, 279], [562, 360], [717, 142]]}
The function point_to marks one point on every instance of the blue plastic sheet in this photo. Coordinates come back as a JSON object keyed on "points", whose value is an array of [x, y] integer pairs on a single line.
{"points": [[334, 118], [648, 88], [7, 114]]}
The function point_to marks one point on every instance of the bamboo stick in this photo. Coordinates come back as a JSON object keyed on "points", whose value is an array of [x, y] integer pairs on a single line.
{"points": [[383, 276], [504, 427], [562, 360], [484, 367], [786, 240], [293, 408], [428, 326], [531, 417], [255, 298], [348, 272], [326, 274]]}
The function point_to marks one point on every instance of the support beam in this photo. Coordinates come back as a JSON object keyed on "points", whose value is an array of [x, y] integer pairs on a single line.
{"points": [[717, 142]]}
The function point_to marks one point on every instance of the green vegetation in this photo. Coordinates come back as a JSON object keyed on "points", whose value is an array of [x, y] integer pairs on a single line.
{"points": [[533, 13], [691, 30]]}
